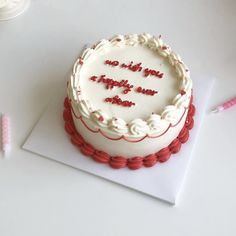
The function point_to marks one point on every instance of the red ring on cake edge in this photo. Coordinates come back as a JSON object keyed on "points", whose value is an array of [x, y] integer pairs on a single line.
{"points": [[132, 163]]}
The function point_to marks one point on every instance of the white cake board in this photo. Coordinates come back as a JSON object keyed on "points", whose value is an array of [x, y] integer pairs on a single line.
{"points": [[163, 181]]}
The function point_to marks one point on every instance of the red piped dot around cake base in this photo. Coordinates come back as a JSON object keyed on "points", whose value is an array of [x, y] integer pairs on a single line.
{"points": [[189, 122], [118, 162], [134, 163], [183, 135], [175, 146], [77, 140], [69, 127], [87, 149], [100, 156], [163, 155], [67, 116], [67, 103], [191, 110], [150, 160]]}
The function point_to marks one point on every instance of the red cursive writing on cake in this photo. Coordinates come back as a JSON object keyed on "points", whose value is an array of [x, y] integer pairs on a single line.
{"points": [[111, 83], [147, 72], [135, 68], [132, 67], [146, 91], [117, 100]]}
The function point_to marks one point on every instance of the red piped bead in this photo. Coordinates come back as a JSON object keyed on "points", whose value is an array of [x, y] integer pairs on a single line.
{"points": [[191, 100], [67, 115], [189, 122], [101, 157], [163, 155], [77, 140], [135, 163], [183, 135], [118, 162], [87, 149], [150, 160], [67, 103], [182, 92], [175, 146], [191, 111], [69, 127]]}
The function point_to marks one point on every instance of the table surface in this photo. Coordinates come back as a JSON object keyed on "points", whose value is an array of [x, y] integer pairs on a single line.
{"points": [[42, 197]]}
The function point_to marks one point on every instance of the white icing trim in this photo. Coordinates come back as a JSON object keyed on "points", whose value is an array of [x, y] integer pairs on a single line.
{"points": [[155, 123]]}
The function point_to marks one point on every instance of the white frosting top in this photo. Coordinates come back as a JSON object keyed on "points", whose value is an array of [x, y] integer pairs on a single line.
{"points": [[130, 85]]}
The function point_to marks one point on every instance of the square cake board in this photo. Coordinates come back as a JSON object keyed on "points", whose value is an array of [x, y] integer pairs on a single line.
{"points": [[162, 181]]}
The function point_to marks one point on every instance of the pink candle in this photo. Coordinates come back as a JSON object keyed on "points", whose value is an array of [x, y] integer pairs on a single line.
{"points": [[6, 145], [225, 105]]}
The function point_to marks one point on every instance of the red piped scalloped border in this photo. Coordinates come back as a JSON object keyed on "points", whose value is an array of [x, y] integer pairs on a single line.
{"points": [[133, 163]]}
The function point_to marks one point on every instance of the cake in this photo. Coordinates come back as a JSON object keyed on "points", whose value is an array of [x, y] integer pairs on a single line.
{"points": [[129, 101]]}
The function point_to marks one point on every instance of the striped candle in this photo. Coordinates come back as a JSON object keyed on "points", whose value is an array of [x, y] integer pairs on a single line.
{"points": [[5, 123], [225, 105]]}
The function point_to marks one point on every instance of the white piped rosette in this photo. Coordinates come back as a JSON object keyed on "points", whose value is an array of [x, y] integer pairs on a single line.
{"points": [[155, 124]]}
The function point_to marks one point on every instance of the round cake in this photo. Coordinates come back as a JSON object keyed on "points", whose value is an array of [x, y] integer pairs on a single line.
{"points": [[129, 101]]}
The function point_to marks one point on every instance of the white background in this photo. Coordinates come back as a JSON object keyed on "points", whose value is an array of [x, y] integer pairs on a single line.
{"points": [[41, 197]]}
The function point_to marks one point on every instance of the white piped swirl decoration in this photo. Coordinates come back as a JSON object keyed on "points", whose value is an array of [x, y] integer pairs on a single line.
{"points": [[102, 46], [132, 39], [186, 85], [87, 53], [117, 40], [144, 38], [99, 118], [118, 125], [138, 127], [174, 58], [181, 101], [172, 114], [155, 124], [154, 43], [84, 108]]}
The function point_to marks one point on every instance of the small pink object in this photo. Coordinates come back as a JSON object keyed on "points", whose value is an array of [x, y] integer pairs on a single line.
{"points": [[6, 144], [225, 105]]}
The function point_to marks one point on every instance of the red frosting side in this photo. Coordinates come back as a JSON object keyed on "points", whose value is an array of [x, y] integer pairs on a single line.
{"points": [[133, 163]]}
